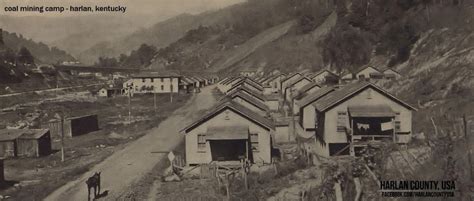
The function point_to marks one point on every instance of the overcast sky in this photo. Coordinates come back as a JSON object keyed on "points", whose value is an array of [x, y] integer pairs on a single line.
{"points": [[158, 8]]}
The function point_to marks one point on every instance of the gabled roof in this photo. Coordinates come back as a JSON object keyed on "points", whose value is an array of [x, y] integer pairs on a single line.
{"points": [[33, 133], [231, 80], [224, 80], [274, 77], [250, 99], [321, 72], [309, 98], [290, 76], [391, 69], [239, 83], [265, 80], [307, 87], [296, 81], [10, 134], [360, 70], [350, 90], [237, 108], [250, 91]]}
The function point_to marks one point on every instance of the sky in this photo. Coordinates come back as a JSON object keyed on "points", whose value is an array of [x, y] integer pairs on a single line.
{"points": [[155, 8]]}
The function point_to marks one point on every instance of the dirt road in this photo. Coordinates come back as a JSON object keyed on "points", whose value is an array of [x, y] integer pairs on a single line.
{"points": [[128, 165]]}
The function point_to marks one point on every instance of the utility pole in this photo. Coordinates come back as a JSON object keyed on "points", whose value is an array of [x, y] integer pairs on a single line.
{"points": [[154, 101], [129, 103], [62, 138], [61, 121]]}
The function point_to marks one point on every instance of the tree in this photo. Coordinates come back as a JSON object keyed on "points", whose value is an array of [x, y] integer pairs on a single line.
{"points": [[24, 56]]}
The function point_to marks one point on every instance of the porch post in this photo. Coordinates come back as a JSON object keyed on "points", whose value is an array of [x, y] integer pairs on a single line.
{"points": [[394, 132], [351, 133]]}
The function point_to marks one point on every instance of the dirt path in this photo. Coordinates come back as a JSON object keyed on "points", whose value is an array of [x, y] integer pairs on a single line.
{"points": [[125, 167]]}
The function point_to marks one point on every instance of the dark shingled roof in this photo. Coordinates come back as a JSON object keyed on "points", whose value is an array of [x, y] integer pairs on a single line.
{"points": [[314, 96], [239, 83], [231, 80], [348, 91], [252, 92], [273, 78], [290, 76], [227, 132], [237, 108], [302, 92], [320, 72], [250, 99], [298, 80], [12, 134]]}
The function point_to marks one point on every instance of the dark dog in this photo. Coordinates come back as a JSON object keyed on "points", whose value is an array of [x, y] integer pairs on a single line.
{"points": [[93, 182]]}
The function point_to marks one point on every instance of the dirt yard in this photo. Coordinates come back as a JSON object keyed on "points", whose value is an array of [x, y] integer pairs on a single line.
{"points": [[35, 178], [128, 165]]}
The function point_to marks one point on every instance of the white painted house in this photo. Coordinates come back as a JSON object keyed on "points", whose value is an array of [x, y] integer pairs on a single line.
{"points": [[349, 118], [391, 74], [323, 76], [155, 82], [229, 133], [368, 72], [288, 80]]}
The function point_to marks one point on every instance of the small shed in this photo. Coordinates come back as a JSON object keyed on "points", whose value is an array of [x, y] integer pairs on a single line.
{"points": [[34, 143], [8, 142], [75, 126], [110, 92]]}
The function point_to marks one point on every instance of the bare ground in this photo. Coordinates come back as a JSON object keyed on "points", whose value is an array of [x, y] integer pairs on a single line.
{"points": [[127, 166]]}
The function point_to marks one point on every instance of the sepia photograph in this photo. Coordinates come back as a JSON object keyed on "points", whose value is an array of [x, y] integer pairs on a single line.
{"points": [[237, 100]]}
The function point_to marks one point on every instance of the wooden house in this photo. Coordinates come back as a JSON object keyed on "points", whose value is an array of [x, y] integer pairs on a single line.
{"points": [[325, 76], [349, 118], [156, 82], [229, 133], [301, 93], [368, 73], [249, 102], [110, 92], [293, 87], [74, 126], [8, 142], [288, 80], [34, 143], [307, 112], [246, 83], [391, 74], [275, 82]]}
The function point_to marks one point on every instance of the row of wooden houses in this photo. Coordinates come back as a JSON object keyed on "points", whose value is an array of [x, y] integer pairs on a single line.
{"points": [[159, 82], [327, 118]]}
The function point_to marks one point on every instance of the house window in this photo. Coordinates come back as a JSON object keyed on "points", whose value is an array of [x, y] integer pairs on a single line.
{"points": [[397, 126], [152, 79], [162, 87], [201, 142], [341, 121], [254, 141], [369, 94], [143, 79]]}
